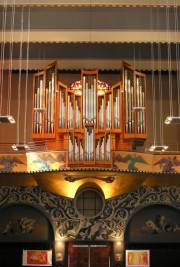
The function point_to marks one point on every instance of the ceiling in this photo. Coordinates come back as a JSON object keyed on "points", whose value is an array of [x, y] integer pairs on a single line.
{"points": [[88, 34]]}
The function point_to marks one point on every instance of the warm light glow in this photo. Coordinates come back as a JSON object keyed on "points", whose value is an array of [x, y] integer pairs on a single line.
{"points": [[101, 86], [118, 243], [59, 243]]}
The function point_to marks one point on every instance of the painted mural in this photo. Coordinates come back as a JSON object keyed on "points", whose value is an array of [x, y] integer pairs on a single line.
{"points": [[33, 161], [146, 162], [130, 159], [45, 161], [13, 163], [168, 164], [55, 160]]}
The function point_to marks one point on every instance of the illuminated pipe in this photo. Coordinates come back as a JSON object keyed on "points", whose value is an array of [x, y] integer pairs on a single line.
{"points": [[52, 103], [60, 110], [126, 100], [86, 102], [132, 104], [45, 115], [68, 111], [102, 113], [84, 97], [40, 93], [129, 106], [49, 108], [116, 110], [52, 114], [97, 150], [141, 114], [95, 99], [108, 147], [138, 105]]}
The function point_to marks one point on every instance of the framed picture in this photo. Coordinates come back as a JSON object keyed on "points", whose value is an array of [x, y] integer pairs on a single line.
{"points": [[137, 258]]}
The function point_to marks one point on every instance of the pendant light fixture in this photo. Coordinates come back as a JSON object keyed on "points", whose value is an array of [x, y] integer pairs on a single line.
{"points": [[171, 119], [23, 146], [156, 147], [6, 118]]}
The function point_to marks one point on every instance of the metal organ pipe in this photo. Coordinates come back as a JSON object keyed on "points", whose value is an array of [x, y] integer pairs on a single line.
{"points": [[40, 95], [102, 155], [129, 107], [70, 146], [138, 104], [107, 147], [132, 105], [84, 102], [95, 100], [52, 103], [70, 111], [76, 149], [62, 108], [89, 100], [126, 99], [116, 109], [89, 143], [77, 114], [101, 112], [143, 113], [108, 111]]}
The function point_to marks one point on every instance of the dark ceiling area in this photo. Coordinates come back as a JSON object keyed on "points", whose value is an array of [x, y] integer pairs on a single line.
{"points": [[80, 35]]}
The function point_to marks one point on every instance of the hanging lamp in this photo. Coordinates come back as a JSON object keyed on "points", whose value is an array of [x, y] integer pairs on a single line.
{"points": [[6, 118], [157, 147], [18, 146], [173, 119]]}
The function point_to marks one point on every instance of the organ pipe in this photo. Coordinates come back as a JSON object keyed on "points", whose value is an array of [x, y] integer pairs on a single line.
{"points": [[101, 112], [116, 108], [89, 92], [108, 111], [62, 108]]}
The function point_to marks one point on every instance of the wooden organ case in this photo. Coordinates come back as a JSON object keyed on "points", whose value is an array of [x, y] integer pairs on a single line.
{"points": [[89, 119], [44, 96]]}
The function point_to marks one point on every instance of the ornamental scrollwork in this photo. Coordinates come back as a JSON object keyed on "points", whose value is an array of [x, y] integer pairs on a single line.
{"points": [[69, 224]]}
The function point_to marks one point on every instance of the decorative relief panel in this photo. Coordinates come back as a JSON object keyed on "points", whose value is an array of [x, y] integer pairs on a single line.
{"points": [[109, 225]]}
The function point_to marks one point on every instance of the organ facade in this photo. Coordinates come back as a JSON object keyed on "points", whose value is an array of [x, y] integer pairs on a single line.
{"points": [[89, 119]]}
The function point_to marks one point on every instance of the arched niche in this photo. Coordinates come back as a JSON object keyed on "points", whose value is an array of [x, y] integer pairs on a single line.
{"points": [[24, 223], [155, 228], [23, 227], [154, 224]]}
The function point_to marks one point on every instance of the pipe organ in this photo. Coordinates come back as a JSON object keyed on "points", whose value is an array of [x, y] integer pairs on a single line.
{"points": [[89, 117]]}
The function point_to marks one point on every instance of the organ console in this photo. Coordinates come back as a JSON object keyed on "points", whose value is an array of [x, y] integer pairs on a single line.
{"points": [[90, 117]]}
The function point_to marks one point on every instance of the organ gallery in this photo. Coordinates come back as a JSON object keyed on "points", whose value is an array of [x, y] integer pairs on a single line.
{"points": [[89, 118]]}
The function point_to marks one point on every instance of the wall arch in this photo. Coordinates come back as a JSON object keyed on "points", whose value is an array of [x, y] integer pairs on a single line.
{"points": [[157, 223], [24, 223]]}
